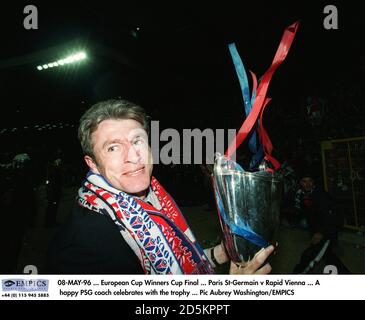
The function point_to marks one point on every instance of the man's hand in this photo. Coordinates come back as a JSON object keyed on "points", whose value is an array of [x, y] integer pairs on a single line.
{"points": [[253, 266], [316, 238], [220, 253]]}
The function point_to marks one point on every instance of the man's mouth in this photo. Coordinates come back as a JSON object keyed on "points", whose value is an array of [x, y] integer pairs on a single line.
{"points": [[135, 172]]}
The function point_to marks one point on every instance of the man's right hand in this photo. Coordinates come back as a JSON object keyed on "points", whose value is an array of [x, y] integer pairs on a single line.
{"points": [[253, 266]]}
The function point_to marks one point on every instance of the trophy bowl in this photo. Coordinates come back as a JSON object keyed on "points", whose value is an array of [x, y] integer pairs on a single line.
{"points": [[248, 206]]}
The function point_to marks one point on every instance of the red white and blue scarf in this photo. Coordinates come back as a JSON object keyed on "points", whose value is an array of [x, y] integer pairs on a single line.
{"points": [[161, 239]]}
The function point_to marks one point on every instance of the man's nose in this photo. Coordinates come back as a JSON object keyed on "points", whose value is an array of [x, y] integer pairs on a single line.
{"points": [[133, 154]]}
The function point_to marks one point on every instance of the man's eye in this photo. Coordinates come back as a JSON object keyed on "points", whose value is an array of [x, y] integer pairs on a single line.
{"points": [[112, 148], [137, 142]]}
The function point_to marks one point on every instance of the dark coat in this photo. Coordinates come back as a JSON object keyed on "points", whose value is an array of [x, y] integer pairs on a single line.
{"points": [[321, 211], [90, 243]]}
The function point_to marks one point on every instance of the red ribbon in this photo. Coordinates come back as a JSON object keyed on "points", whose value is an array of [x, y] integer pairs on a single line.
{"points": [[266, 142], [254, 83], [261, 100]]}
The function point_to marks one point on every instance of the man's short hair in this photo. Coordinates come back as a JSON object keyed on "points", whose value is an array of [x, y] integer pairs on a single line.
{"points": [[105, 110]]}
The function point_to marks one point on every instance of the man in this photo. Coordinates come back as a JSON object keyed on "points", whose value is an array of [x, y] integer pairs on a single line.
{"points": [[124, 220], [317, 212]]}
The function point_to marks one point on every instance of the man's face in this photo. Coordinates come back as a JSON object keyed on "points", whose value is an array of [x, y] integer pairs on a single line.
{"points": [[307, 183], [122, 155]]}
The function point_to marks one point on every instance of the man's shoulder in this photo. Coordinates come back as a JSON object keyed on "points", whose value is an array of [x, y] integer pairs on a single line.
{"points": [[89, 242], [82, 214], [84, 222]]}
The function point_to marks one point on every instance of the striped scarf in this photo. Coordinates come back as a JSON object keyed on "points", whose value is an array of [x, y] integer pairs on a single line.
{"points": [[161, 239]]}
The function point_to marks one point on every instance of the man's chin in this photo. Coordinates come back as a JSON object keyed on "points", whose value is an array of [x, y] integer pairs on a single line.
{"points": [[140, 193], [139, 190]]}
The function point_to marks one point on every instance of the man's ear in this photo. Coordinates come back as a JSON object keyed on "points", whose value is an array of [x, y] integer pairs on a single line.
{"points": [[91, 164]]}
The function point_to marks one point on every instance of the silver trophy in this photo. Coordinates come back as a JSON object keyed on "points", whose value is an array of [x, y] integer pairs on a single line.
{"points": [[248, 205]]}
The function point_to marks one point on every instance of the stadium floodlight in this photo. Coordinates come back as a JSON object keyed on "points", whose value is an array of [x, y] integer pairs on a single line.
{"points": [[78, 56], [70, 59], [81, 55]]}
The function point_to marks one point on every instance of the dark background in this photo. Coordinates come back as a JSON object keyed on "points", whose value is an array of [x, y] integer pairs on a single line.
{"points": [[174, 60]]}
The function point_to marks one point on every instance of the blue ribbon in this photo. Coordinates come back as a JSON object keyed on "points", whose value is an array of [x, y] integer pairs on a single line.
{"points": [[256, 158], [241, 228], [242, 77], [248, 102]]}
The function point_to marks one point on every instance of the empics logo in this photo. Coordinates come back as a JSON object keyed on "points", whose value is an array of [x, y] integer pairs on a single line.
{"points": [[8, 283], [25, 285]]}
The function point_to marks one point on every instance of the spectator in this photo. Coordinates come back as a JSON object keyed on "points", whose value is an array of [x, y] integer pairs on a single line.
{"points": [[317, 211]]}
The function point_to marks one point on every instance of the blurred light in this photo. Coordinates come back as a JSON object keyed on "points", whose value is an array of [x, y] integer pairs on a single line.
{"points": [[69, 59], [82, 55]]}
